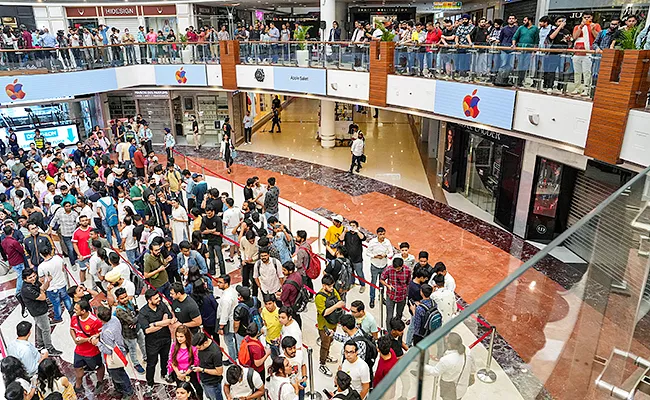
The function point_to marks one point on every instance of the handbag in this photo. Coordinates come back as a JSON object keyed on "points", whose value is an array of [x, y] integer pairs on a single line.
{"points": [[233, 154], [363, 158]]}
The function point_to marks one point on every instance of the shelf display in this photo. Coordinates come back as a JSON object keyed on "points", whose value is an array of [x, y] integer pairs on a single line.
{"points": [[343, 118], [121, 107]]}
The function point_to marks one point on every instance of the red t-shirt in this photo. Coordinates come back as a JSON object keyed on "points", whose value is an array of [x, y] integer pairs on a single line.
{"points": [[138, 159], [257, 351], [91, 326], [384, 366], [81, 237]]}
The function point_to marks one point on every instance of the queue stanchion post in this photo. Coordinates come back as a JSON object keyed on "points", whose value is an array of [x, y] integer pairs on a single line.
{"points": [[318, 240], [310, 365], [381, 307], [486, 375], [290, 209]]}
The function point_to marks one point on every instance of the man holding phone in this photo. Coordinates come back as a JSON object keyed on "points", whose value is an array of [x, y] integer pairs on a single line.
{"points": [[584, 36], [210, 367]]}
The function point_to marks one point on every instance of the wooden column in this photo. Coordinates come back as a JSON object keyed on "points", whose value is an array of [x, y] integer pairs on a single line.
{"points": [[229, 54], [382, 56], [622, 85]]}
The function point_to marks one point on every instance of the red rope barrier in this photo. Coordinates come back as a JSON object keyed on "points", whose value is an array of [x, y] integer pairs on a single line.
{"points": [[479, 340], [479, 320]]}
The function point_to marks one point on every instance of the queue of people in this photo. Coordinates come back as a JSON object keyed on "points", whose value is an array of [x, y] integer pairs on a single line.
{"points": [[138, 230]]}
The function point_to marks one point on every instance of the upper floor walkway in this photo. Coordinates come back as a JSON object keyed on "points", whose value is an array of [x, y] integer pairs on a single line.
{"points": [[537, 94]]}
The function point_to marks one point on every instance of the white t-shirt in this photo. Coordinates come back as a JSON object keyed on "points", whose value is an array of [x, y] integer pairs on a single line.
{"points": [[128, 286], [241, 388], [358, 371], [269, 275], [54, 267], [446, 302], [294, 331], [129, 240], [280, 388], [450, 282], [231, 218], [125, 270], [296, 363], [107, 201]]}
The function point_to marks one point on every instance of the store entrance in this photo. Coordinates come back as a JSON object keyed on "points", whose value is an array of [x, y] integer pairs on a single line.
{"points": [[483, 172]]}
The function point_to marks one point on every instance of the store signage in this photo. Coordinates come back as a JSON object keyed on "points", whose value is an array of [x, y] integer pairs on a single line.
{"points": [[81, 12], [447, 5], [121, 11], [151, 94], [181, 75], [257, 77], [204, 10], [300, 80], [30, 88], [66, 134], [384, 10], [158, 10], [473, 103]]}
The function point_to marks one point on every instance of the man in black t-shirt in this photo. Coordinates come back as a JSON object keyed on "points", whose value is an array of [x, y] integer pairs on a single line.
{"points": [[396, 334], [211, 229], [558, 38], [353, 240], [154, 319], [210, 367], [196, 133], [241, 315], [33, 294], [185, 308]]}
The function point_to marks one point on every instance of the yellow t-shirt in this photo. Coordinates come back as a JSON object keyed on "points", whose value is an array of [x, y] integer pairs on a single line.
{"points": [[273, 325], [333, 234], [197, 224]]}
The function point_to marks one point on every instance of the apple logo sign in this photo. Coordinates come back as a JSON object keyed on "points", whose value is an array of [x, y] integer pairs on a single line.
{"points": [[470, 105]]}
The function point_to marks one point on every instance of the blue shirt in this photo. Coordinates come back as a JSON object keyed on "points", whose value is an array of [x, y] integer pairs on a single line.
{"points": [[69, 197], [281, 245], [506, 35], [132, 150], [420, 315], [26, 353], [48, 40], [543, 34]]}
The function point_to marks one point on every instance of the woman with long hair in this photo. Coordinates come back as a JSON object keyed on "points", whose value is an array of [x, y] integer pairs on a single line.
{"points": [[13, 370], [206, 302], [50, 379], [182, 356], [185, 391], [280, 385], [226, 151], [456, 369]]}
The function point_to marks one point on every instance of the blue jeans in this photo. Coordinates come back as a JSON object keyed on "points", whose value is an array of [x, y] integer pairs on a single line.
{"points": [[231, 344], [19, 280], [164, 290], [110, 230], [374, 279], [212, 392], [56, 297], [301, 394], [132, 255], [67, 241], [121, 381], [358, 271], [275, 350], [269, 215]]}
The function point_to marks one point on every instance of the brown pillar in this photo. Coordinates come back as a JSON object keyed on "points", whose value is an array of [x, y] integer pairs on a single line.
{"points": [[229, 54], [382, 56], [622, 85]]}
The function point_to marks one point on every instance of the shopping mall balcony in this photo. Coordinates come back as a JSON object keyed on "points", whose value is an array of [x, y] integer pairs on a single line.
{"points": [[530, 93]]}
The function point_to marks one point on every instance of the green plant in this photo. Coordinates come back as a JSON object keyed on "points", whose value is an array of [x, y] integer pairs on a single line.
{"points": [[627, 38], [300, 35], [386, 35], [183, 38]]}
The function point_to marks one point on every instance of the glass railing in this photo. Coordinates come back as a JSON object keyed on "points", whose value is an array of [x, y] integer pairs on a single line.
{"points": [[94, 57], [337, 55], [566, 330], [553, 71]]}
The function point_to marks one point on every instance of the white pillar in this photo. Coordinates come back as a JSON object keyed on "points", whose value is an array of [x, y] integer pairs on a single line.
{"points": [[328, 14], [327, 129]]}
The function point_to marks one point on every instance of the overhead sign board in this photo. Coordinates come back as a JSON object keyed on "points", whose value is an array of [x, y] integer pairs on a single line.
{"points": [[447, 5], [66, 134]]}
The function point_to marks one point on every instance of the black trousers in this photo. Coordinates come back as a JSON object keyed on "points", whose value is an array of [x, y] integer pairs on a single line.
{"points": [[356, 160], [248, 133], [274, 124], [247, 278], [155, 350], [214, 251]]}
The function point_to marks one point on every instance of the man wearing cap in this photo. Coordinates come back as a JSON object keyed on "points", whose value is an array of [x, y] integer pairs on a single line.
{"points": [[116, 281], [334, 235]]}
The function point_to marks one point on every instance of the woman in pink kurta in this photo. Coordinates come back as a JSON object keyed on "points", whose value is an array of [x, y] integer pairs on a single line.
{"points": [[183, 356]]}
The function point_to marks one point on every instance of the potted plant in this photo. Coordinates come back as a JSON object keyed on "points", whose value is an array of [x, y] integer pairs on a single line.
{"points": [[302, 54], [386, 35], [185, 50]]}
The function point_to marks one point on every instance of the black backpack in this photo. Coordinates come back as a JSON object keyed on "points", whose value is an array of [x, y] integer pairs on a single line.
{"points": [[345, 279], [330, 300], [300, 303], [371, 349], [351, 395]]}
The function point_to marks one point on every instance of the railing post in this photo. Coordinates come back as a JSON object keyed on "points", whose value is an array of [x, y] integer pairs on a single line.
{"points": [[318, 240], [290, 208], [232, 189], [186, 163], [381, 306], [310, 365], [486, 375]]}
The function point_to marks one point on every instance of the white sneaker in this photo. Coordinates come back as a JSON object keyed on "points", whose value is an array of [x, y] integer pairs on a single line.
{"points": [[585, 93], [576, 91], [362, 289]]}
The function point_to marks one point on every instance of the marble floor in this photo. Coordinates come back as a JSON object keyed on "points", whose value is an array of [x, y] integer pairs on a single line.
{"points": [[390, 147]]}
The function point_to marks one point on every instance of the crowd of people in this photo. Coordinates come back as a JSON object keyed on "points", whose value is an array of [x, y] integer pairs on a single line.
{"points": [[137, 230]]}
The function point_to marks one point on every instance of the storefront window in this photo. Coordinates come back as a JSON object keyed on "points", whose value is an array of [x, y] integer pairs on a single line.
{"points": [[483, 172], [90, 23], [35, 115], [547, 192], [164, 24], [121, 107]]}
